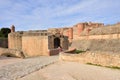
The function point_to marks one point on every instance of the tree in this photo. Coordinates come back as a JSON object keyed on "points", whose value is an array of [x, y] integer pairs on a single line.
{"points": [[4, 32]]}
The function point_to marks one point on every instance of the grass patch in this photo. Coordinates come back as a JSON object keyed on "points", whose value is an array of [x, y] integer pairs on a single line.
{"points": [[94, 64], [78, 51], [3, 38], [111, 67]]}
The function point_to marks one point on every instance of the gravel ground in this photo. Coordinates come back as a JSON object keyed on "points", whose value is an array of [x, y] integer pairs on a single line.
{"points": [[39, 68], [23, 67], [8, 60], [73, 71]]}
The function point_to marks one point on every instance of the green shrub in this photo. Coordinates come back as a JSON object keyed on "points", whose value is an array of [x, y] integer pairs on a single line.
{"points": [[112, 67], [78, 51], [4, 32], [94, 64]]}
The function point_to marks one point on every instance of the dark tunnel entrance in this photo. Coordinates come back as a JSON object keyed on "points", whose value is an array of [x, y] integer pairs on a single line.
{"points": [[56, 42]]}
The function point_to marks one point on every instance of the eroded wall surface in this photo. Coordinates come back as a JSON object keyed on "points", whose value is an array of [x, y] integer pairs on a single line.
{"points": [[15, 40], [98, 58], [35, 45]]}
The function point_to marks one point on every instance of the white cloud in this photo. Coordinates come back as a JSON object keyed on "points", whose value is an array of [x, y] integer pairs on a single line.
{"points": [[42, 14]]}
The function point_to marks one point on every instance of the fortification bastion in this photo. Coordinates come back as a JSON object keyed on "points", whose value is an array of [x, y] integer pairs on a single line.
{"points": [[38, 42]]}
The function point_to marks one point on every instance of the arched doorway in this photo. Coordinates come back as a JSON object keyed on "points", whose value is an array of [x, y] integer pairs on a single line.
{"points": [[56, 42]]}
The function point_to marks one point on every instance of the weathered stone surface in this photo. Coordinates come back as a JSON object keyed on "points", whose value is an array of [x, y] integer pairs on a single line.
{"points": [[110, 45], [53, 51], [11, 52], [37, 43], [25, 67], [71, 50], [73, 71], [96, 57], [110, 29], [15, 40]]}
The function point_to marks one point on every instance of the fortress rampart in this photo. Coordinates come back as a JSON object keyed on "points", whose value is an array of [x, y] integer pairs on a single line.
{"points": [[38, 42], [83, 36], [15, 40], [35, 44], [104, 37], [102, 45]]}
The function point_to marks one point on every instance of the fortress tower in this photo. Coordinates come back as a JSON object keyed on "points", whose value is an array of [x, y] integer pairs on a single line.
{"points": [[12, 28]]}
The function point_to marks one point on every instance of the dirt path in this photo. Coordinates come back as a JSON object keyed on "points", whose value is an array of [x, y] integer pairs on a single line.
{"points": [[73, 71]]}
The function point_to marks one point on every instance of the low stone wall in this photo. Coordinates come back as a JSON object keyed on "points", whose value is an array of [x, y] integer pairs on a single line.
{"points": [[4, 43], [53, 52], [11, 52], [100, 58]]}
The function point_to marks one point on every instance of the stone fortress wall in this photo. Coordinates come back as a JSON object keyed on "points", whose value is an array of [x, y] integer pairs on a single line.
{"points": [[106, 37], [15, 40], [87, 36], [101, 43], [37, 42], [89, 30], [75, 31], [83, 33], [32, 43]]}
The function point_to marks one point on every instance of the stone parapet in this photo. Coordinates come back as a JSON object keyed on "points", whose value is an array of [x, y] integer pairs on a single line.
{"points": [[99, 58], [11, 52], [35, 34], [107, 36], [53, 52]]}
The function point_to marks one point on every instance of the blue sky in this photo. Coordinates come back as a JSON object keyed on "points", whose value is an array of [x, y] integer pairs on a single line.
{"points": [[43, 14]]}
